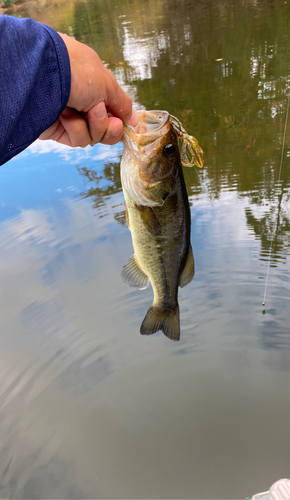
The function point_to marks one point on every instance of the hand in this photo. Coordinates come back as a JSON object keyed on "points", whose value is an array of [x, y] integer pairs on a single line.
{"points": [[97, 106]]}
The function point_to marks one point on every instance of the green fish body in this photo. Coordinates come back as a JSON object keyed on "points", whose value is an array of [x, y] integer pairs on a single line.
{"points": [[158, 216]]}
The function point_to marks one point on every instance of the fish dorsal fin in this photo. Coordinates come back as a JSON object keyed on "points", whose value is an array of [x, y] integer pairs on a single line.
{"points": [[133, 275], [188, 272], [190, 152]]}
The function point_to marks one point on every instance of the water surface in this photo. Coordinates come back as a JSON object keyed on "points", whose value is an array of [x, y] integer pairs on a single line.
{"points": [[89, 407]]}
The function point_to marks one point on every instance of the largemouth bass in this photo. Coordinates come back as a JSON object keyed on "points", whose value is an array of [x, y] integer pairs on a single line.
{"points": [[158, 214]]}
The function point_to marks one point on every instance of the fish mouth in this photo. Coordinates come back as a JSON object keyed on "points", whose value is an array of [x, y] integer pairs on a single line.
{"points": [[152, 126]]}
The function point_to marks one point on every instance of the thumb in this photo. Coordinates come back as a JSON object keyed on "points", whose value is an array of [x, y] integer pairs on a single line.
{"points": [[119, 104]]}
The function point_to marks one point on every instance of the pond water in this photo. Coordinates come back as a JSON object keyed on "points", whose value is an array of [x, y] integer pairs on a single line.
{"points": [[89, 407]]}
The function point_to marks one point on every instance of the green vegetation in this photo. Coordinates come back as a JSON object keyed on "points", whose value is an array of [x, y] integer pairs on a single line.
{"points": [[6, 3]]}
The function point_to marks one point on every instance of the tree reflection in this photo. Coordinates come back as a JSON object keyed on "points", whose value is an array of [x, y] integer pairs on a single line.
{"points": [[273, 228], [101, 185], [223, 69]]}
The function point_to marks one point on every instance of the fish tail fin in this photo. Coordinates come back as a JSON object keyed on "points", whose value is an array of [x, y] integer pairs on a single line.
{"points": [[167, 321]]}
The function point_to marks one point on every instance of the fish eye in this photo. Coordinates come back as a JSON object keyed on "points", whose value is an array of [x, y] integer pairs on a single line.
{"points": [[169, 150]]}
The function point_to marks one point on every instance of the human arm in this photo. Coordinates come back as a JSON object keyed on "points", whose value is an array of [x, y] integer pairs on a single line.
{"points": [[35, 82], [43, 86]]}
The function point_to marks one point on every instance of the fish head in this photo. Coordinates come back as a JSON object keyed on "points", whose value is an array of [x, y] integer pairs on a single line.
{"points": [[151, 158]]}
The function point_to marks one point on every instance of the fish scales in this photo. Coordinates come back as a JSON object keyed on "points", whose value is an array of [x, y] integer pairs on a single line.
{"points": [[161, 256]]}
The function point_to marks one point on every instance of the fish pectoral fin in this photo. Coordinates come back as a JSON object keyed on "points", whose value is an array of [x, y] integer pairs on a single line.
{"points": [[133, 275], [188, 271], [167, 321], [149, 220]]}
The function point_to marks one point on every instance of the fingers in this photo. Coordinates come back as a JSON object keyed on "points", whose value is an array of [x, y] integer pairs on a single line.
{"points": [[120, 104], [50, 132], [70, 129], [134, 119], [114, 131], [98, 122], [102, 126], [75, 130]]}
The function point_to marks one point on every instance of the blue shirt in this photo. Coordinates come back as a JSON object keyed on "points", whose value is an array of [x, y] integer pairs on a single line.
{"points": [[35, 82]]}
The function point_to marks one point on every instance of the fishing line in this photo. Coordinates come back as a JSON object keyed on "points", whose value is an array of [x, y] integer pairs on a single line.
{"points": [[280, 170]]}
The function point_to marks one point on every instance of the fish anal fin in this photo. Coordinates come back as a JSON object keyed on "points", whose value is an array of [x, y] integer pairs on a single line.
{"points": [[167, 321], [188, 271], [149, 220], [133, 275]]}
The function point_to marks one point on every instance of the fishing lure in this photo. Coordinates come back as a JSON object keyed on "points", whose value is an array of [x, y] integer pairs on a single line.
{"points": [[190, 152]]}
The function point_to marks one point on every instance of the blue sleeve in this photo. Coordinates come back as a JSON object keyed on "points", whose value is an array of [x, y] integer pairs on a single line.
{"points": [[34, 82]]}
